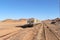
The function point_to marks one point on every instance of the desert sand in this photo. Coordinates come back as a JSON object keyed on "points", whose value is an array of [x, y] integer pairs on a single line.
{"points": [[42, 31]]}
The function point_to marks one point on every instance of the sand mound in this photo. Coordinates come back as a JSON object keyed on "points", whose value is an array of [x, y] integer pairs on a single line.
{"points": [[9, 20], [57, 20]]}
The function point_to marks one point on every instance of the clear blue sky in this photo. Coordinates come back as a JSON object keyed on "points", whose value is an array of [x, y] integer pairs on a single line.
{"points": [[41, 9]]}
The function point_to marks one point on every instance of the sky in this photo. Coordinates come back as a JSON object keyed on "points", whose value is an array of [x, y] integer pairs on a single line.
{"points": [[40, 9]]}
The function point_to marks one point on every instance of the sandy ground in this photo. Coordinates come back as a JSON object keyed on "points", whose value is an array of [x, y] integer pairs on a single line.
{"points": [[42, 31]]}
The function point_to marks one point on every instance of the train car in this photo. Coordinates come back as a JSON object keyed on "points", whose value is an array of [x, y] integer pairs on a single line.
{"points": [[30, 23], [33, 21]]}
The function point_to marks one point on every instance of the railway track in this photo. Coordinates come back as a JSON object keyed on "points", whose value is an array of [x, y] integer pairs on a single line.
{"points": [[38, 32], [49, 33]]}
